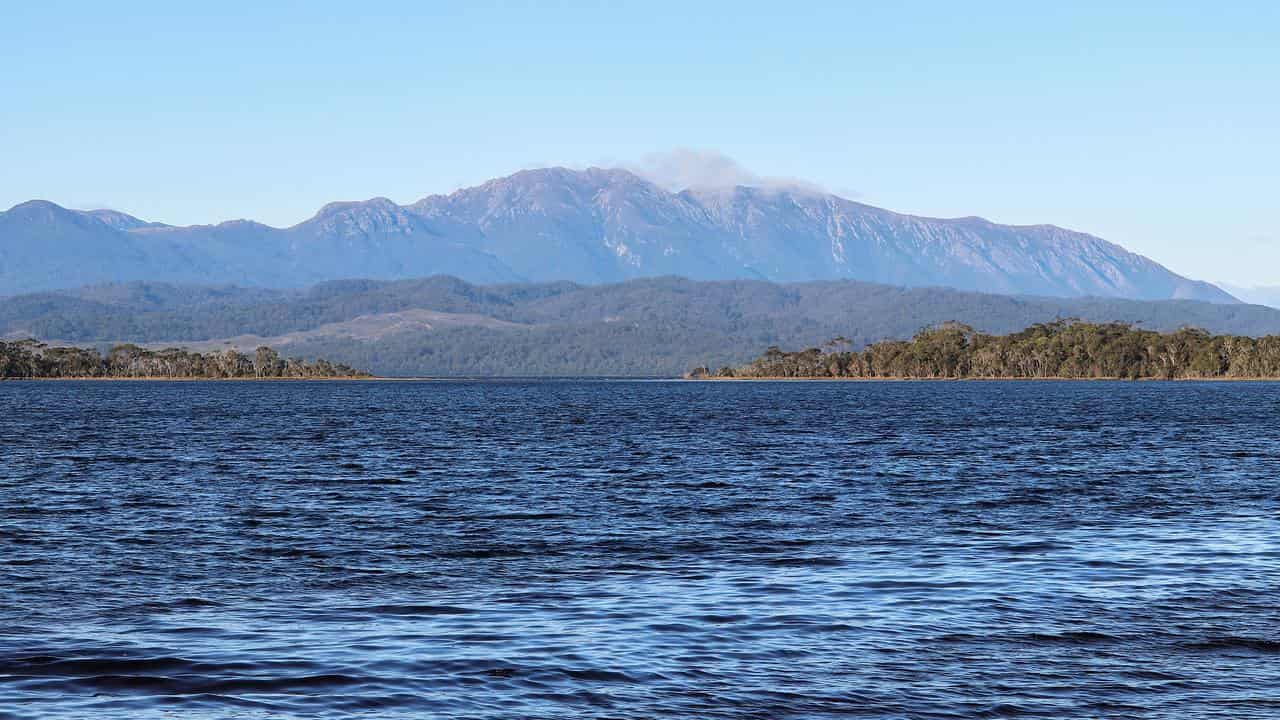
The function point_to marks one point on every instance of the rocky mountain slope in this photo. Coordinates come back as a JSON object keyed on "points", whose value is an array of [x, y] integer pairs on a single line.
{"points": [[588, 226]]}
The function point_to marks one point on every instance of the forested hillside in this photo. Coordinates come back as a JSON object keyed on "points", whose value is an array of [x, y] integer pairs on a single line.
{"points": [[1060, 349], [659, 326]]}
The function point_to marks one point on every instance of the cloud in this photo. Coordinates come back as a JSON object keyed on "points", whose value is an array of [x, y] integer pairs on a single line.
{"points": [[685, 168]]}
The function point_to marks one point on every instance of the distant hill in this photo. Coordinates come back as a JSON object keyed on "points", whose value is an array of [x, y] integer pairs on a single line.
{"points": [[588, 226], [660, 326], [1258, 294]]}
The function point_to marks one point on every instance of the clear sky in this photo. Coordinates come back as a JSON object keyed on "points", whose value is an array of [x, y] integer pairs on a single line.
{"points": [[1155, 125]]}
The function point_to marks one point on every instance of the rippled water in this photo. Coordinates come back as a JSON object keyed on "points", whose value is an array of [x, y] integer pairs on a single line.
{"points": [[639, 550]]}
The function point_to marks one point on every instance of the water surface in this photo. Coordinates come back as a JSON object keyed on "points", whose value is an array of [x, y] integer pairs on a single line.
{"points": [[639, 550]]}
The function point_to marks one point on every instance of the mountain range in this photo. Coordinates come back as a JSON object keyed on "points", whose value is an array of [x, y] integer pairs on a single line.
{"points": [[585, 226]]}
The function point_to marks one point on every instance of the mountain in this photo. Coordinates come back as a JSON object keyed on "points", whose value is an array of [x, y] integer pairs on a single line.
{"points": [[1257, 294], [652, 326], [43, 245], [587, 226], [801, 236], [119, 220], [379, 239]]}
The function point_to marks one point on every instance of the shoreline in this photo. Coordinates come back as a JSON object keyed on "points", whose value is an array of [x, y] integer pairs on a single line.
{"points": [[91, 378], [505, 378], [818, 378]]}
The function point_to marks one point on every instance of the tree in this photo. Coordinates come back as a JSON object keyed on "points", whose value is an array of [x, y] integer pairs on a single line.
{"points": [[266, 363]]}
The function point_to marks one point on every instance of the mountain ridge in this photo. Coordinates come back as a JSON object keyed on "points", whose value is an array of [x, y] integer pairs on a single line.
{"points": [[594, 225]]}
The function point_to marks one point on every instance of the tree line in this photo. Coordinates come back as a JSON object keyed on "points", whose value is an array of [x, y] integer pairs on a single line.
{"points": [[33, 359], [643, 327], [1058, 349]]}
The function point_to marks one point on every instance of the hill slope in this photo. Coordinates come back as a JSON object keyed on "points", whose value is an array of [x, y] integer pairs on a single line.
{"points": [[588, 226], [659, 326]]}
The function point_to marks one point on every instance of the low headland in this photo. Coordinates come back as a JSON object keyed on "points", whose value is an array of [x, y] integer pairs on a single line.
{"points": [[30, 359], [1063, 349]]}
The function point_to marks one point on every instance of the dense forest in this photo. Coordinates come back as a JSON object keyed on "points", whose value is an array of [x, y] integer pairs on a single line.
{"points": [[159, 312], [649, 327], [32, 359], [1059, 349]]}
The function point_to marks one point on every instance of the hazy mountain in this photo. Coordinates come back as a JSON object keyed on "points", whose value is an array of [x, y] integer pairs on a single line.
{"points": [[655, 326], [788, 235], [43, 245], [585, 226], [1257, 294], [379, 239], [119, 220]]}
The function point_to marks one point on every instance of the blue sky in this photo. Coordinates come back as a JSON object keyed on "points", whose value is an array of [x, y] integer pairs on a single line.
{"points": [[1154, 125]]}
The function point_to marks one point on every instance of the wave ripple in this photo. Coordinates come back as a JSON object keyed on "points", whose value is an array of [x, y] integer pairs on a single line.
{"points": [[639, 550]]}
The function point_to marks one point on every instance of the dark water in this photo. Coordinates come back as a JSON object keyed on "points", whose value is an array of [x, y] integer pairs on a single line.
{"points": [[639, 550]]}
